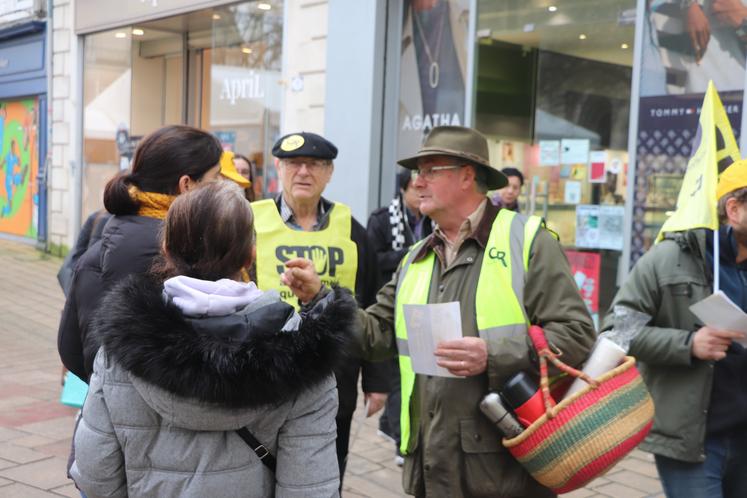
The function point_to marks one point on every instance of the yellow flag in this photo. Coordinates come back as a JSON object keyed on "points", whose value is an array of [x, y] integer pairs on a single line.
{"points": [[714, 149]]}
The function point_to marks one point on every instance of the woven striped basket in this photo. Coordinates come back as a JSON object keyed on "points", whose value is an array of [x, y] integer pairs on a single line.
{"points": [[586, 434]]}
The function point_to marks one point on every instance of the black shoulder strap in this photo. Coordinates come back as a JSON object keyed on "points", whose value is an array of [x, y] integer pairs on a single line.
{"points": [[258, 448]]}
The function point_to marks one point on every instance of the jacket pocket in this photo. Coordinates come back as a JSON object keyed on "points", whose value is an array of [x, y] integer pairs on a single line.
{"points": [[487, 468], [677, 296]]}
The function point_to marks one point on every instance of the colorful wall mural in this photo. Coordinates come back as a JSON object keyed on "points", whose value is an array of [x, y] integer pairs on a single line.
{"points": [[19, 167]]}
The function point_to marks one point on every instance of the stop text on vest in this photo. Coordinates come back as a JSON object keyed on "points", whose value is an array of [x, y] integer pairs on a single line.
{"points": [[326, 259]]}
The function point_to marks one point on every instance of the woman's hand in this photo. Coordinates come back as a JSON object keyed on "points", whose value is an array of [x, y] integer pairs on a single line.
{"points": [[300, 275]]}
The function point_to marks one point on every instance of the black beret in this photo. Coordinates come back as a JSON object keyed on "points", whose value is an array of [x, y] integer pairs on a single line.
{"points": [[304, 144]]}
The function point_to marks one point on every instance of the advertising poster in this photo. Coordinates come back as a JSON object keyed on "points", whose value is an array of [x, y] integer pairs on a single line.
{"points": [[597, 166], [600, 226], [227, 139], [676, 63], [666, 129], [574, 151], [572, 192], [433, 69], [685, 45], [587, 226], [549, 152], [585, 267], [19, 167]]}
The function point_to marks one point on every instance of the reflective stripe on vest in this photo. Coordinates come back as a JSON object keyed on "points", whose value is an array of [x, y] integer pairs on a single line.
{"points": [[334, 254], [502, 277]]}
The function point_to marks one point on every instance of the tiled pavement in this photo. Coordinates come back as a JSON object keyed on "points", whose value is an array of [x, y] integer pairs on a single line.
{"points": [[35, 429]]}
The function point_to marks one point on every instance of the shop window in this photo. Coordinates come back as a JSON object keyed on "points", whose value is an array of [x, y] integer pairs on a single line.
{"points": [[217, 69], [106, 98], [553, 96]]}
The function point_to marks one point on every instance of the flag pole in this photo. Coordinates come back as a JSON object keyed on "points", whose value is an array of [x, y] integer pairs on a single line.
{"points": [[716, 262]]}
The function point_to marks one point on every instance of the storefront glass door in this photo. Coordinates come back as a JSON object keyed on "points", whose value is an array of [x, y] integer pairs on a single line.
{"points": [[217, 69]]}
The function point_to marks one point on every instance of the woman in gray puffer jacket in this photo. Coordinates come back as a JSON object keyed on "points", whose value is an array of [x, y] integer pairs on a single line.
{"points": [[190, 355]]}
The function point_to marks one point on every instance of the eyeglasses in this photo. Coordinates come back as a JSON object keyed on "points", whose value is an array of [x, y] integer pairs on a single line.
{"points": [[430, 173], [311, 164]]}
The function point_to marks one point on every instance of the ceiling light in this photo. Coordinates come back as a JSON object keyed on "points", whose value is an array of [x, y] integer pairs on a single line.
{"points": [[264, 6], [552, 8], [120, 34], [582, 36], [216, 17], [246, 50], [138, 32], [624, 46]]}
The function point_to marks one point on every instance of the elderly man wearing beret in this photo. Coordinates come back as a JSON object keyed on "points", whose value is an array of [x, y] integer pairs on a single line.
{"points": [[300, 223], [505, 271]]}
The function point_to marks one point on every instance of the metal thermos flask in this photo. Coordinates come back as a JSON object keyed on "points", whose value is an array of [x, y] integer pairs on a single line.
{"points": [[493, 408]]}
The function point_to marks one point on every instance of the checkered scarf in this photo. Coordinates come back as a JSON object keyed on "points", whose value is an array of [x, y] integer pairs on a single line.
{"points": [[397, 221]]}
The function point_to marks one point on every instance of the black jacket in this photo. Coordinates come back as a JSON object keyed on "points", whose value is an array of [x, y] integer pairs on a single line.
{"points": [[380, 237], [90, 233], [129, 244], [375, 376]]}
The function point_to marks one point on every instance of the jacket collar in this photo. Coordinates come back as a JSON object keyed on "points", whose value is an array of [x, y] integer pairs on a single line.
{"points": [[480, 234], [250, 358]]}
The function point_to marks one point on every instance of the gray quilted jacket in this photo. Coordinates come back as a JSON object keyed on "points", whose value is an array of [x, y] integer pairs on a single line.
{"points": [[168, 392]]}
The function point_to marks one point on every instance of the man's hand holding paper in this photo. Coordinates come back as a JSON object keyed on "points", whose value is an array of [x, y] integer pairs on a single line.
{"points": [[725, 322], [711, 344], [435, 342], [463, 357]]}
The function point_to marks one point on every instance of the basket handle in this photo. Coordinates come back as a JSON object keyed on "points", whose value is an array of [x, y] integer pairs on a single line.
{"points": [[537, 335]]}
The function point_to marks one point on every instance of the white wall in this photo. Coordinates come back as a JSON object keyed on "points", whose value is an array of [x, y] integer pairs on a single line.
{"points": [[304, 57], [353, 112], [64, 133]]}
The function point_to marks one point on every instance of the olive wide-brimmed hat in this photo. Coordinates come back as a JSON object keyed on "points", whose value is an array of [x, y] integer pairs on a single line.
{"points": [[460, 143]]}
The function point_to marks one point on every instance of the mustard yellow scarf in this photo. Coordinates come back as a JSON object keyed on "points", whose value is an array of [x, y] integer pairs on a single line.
{"points": [[152, 205]]}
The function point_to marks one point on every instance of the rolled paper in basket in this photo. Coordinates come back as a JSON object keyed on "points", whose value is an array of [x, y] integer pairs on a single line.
{"points": [[605, 356]]}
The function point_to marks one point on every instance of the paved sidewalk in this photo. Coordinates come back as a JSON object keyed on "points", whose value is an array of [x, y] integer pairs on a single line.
{"points": [[35, 429]]}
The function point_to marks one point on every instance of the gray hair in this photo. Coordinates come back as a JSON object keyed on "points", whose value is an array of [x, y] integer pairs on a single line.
{"points": [[740, 195]]}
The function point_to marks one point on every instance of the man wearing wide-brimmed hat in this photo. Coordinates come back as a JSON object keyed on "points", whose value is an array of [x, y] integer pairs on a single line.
{"points": [[505, 270]]}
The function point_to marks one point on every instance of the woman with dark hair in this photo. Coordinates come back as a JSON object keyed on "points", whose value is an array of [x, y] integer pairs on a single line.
{"points": [[248, 170], [205, 385], [168, 162], [508, 196]]}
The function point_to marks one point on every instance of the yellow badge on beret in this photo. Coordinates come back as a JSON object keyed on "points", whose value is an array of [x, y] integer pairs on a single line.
{"points": [[291, 143]]}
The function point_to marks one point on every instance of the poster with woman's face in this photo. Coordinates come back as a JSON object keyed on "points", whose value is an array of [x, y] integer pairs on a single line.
{"points": [[433, 69]]}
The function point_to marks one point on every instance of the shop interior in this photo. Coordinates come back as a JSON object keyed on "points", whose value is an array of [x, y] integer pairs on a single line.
{"points": [[218, 69], [553, 84]]}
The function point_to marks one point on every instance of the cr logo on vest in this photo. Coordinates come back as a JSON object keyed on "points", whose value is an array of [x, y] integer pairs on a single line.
{"points": [[326, 259], [494, 253]]}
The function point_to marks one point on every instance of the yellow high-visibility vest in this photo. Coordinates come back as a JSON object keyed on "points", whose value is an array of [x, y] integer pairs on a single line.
{"points": [[504, 266], [334, 254]]}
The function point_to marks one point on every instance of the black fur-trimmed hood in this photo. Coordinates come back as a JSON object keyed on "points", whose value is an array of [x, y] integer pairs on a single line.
{"points": [[244, 360]]}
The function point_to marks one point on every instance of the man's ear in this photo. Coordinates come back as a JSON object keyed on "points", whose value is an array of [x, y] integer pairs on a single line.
{"points": [[732, 209], [470, 175], [185, 184]]}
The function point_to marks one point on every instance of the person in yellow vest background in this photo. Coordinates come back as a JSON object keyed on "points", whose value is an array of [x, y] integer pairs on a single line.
{"points": [[506, 271], [300, 223]]}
